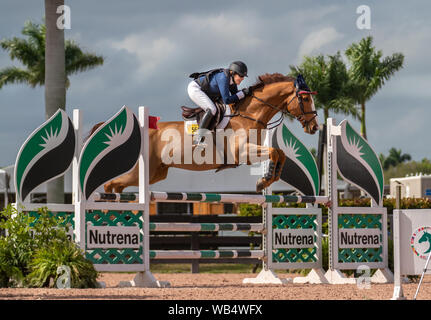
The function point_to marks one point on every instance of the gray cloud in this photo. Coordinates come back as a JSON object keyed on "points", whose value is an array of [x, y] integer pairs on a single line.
{"points": [[150, 47]]}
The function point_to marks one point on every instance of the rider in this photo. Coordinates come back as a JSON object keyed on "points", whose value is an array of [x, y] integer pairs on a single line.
{"points": [[214, 85]]}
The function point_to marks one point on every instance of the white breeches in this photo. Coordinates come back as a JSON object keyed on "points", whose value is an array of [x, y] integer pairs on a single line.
{"points": [[200, 98]]}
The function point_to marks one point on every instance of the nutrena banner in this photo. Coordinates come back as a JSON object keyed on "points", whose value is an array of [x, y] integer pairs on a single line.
{"points": [[111, 151], [300, 169], [45, 155], [358, 163]]}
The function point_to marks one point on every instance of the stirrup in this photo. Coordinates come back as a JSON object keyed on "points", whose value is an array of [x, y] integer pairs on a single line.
{"points": [[199, 142], [201, 146]]}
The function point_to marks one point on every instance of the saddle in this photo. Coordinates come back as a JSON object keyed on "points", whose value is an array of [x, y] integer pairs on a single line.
{"points": [[197, 113]]}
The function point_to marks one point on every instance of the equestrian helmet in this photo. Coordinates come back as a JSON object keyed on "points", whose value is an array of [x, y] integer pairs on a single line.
{"points": [[239, 67]]}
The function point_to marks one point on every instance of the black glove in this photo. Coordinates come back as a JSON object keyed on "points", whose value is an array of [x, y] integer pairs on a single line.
{"points": [[247, 91]]}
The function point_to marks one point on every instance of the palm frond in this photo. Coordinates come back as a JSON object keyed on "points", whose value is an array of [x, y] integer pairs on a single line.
{"points": [[383, 72], [11, 75], [36, 34], [391, 64], [346, 106], [77, 60], [24, 51], [31, 53]]}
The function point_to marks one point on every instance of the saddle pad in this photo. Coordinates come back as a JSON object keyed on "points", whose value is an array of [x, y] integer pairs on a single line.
{"points": [[223, 123], [191, 126]]}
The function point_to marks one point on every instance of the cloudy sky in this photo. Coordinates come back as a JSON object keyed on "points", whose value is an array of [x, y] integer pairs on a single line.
{"points": [[150, 47]]}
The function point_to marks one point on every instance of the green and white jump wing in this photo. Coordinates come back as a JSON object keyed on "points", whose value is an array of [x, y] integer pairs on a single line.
{"points": [[358, 163], [45, 155], [300, 169], [111, 151]]}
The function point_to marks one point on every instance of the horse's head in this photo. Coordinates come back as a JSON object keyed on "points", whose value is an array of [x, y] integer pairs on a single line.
{"points": [[425, 237], [290, 96], [300, 104]]}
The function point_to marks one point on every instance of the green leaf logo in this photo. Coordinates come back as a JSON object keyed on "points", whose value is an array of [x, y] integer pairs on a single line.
{"points": [[45, 155], [358, 163], [111, 151], [300, 169]]}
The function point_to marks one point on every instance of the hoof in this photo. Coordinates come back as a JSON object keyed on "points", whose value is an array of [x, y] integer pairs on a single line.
{"points": [[260, 185]]}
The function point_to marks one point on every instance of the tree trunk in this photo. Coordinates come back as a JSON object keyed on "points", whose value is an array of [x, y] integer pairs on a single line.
{"points": [[55, 81], [363, 126]]}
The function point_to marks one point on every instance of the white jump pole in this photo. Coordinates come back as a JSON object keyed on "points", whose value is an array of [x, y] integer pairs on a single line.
{"points": [[145, 278]]}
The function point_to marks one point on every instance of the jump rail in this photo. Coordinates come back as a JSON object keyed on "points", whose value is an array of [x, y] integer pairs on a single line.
{"points": [[193, 197], [197, 227], [205, 254]]}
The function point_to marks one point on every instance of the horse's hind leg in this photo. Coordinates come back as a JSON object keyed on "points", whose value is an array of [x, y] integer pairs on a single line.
{"points": [[160, 174], [115, 186], [119, 184], [132, 179]]}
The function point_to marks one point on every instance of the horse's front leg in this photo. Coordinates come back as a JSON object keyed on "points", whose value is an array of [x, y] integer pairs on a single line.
{"points": [[258, 153], [280, 164]]}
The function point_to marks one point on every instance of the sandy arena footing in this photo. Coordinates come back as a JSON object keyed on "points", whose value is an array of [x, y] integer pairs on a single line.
{"points": [[204, 286]]}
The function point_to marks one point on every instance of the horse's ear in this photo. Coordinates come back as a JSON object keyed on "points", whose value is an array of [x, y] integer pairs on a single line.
{"points": [[95, 127]]}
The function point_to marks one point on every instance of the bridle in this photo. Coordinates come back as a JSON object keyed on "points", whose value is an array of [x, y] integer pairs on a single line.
{"points": [[301, 105], [284, 112]]}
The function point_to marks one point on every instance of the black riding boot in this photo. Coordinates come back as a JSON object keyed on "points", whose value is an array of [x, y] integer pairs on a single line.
{"points": [[204, 125]]}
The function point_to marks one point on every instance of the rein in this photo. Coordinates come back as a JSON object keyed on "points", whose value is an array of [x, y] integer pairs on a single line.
{"points": [[283, 112]]}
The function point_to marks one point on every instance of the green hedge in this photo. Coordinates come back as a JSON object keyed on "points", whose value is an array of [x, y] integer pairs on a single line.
{"points": [[406, 203]]}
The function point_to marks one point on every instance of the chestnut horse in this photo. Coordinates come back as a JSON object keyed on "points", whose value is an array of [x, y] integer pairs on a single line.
{"points": [[272, 94]]}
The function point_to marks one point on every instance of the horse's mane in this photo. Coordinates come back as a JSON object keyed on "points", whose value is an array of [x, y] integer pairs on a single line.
{"points": [[268, 78]]}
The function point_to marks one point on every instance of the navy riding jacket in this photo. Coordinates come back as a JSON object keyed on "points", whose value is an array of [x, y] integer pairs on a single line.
{"points": [[220, 86]]}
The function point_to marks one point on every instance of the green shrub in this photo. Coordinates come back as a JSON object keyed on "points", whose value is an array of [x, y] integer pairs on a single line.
{"points": [[34, 246], [46, 262], [250, 210], [17, 247]]}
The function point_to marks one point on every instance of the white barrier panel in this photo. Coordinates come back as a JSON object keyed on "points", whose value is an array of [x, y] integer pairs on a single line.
{"points": [[414, 239], [412, 246]]}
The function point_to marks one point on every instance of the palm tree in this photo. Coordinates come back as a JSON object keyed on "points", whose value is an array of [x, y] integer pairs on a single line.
{"points": [[368, 72], [49, 60], [31, 53], [328, 76], [394, 158]]}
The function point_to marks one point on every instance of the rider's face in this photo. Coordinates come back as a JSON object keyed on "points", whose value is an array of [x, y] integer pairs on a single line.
{"points": [[237, 79]]}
